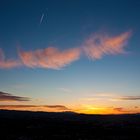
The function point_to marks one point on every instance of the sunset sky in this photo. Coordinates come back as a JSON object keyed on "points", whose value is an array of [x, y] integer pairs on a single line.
{"points": [[70, 55]]}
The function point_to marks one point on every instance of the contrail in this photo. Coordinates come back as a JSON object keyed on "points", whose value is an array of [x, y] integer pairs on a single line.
{"points": [[41, 19]]}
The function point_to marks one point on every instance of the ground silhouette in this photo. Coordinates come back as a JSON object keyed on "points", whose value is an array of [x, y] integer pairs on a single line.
{"points": [[26, 125]]}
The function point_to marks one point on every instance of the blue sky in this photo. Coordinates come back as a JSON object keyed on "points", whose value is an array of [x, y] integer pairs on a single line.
{"points": [[67, 25]]}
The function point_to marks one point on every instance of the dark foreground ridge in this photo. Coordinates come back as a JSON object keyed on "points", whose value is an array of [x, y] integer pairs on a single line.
{"points": [[25, 125]]}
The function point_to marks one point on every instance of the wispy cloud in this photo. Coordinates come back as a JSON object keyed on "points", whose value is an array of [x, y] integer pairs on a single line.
{"points": [[129, 98], [48, 108], [16, 106], [58, 107], [66, 90], [99, 45], [100, 96], [119, 109], [94, 47], [7, 63], [110, 97], [9, 97], [49, 58]]}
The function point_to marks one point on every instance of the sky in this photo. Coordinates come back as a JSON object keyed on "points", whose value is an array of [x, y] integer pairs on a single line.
{"points": [[70, 55]]}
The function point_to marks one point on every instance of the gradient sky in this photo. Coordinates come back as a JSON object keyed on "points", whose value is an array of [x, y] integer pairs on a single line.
{"points": [[77, 55]]}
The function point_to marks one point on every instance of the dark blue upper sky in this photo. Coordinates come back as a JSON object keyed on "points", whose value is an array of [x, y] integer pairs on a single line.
{"points": [[65, 21]]}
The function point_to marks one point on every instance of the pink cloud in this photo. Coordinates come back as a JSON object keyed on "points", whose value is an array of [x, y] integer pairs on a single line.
{"points": [[99, 45], [49, 57], [94, 47], [7, 63]]}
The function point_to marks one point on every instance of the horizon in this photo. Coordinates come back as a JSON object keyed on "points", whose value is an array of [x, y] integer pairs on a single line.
{"points": [[78, 56], [66, 112]]}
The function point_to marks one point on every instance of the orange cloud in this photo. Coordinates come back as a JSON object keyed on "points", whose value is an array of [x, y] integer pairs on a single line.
{"points": [[58, 107], [119, 109], [99, 45], [47, 108], [49, 58], [5, 64]]}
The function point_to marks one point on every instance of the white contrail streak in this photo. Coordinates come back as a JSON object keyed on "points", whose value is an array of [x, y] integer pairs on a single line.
{"points": [[41, 19]]}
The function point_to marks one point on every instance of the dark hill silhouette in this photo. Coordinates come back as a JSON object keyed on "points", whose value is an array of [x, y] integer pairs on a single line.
{"points": [[26, 125]]}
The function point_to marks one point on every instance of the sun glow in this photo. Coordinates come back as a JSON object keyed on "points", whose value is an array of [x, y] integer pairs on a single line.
{"points": [[90, 109]]}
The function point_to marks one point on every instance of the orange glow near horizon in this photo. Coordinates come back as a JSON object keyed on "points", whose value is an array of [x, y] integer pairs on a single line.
{"points": [[99, 110], [86, 109]]}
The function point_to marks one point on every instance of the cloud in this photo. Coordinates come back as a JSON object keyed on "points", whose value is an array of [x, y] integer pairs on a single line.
{"points": [[136, 107], [94, 47], [129, 98], [47, 108], [110, 97], [16, 106], [8, 97], [66, 90], [49, 57], [99, 45], [120, 109], [59, 107], [6, 64]]}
